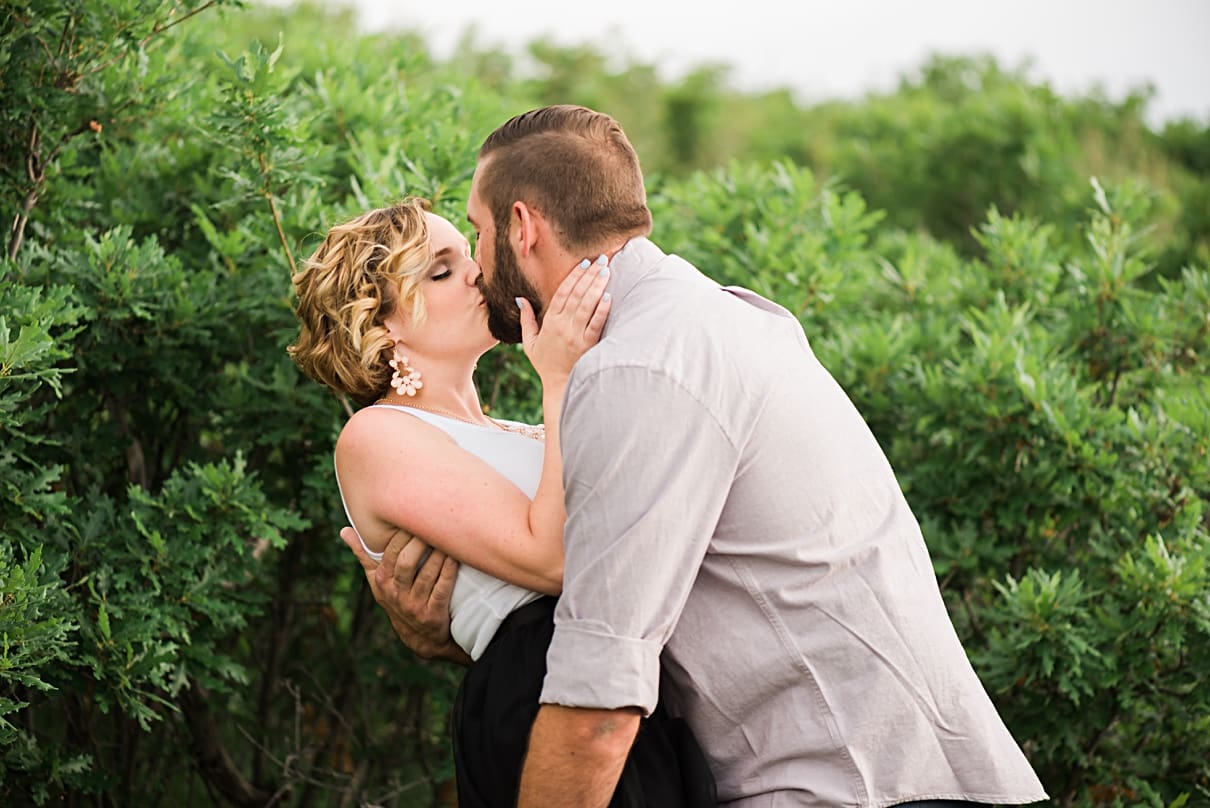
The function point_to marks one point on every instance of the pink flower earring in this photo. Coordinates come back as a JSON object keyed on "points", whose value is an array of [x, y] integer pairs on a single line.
{"points": [[405, 379]]}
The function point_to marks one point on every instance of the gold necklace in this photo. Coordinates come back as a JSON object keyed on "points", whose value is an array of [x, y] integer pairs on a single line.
{"points": [[491, 424]]}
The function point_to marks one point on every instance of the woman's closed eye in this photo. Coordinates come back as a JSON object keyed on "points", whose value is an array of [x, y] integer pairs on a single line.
{"points": [[441, 275]]}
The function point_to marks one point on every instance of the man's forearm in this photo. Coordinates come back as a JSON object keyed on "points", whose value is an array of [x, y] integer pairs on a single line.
{"points": [[576, 756]]}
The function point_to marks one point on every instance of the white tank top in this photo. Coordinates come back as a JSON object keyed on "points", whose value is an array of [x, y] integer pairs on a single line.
{"points": [[479, 602]]}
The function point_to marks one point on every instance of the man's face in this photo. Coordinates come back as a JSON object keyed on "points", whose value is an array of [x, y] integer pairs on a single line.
{"points": [[502, 280]]}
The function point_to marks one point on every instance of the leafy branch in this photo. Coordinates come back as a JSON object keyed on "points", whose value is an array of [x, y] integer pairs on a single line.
{"points": [[69, 85], [264, 130]]}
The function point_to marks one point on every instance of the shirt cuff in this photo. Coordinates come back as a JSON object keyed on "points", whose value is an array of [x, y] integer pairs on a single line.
{"points": [[586, 668]]}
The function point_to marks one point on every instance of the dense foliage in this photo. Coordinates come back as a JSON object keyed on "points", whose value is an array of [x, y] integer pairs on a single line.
{"points": [[1012, 286]]}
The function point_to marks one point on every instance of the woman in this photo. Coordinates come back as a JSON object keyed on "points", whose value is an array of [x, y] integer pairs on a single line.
{"points": [[391, 315]]}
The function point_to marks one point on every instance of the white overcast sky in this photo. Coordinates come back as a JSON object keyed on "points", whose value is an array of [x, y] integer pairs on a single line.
{"points": [[844, 48]]}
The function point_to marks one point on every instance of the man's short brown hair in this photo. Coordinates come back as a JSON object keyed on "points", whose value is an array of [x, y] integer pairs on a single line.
{"points": [[573, 165]]}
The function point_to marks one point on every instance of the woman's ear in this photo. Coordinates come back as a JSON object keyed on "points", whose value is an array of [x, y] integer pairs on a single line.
{"points": [[397, 325]]}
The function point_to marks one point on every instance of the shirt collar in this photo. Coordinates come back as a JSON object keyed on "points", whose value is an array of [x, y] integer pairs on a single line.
{"points": [[638, 258]]}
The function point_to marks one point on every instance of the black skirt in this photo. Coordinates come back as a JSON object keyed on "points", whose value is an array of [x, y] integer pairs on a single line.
{"points": [[496, 706]]}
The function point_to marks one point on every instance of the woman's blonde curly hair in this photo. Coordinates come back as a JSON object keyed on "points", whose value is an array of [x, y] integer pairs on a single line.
{"points": [[356, 278]]}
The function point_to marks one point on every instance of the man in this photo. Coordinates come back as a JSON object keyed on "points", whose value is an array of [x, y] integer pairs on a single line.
{"points": [[728, 514]]}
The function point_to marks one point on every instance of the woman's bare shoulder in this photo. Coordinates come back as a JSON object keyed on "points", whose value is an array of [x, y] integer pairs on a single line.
{"points": [[376, 431]]}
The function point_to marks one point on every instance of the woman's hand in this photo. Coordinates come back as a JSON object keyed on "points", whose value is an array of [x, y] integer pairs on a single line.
{"points": [[572, 323]]}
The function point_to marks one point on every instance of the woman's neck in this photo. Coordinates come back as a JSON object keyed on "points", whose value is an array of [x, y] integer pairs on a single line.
{"points": [[446, 389]]}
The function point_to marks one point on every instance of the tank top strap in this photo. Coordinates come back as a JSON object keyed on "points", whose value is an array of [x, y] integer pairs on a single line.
{"points": [[374, 555]]}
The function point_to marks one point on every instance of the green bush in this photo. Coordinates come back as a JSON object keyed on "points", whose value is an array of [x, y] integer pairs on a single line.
{"points": [[179, 623]]}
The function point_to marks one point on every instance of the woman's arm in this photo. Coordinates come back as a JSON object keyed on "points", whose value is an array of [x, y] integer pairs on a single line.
{"points": [[571, 324], [402, 474]]}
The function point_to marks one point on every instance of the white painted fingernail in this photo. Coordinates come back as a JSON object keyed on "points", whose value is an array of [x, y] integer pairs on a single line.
{"points": [[602, 259], [585, 264], [604, 271], [518, 301], [605, 297]]}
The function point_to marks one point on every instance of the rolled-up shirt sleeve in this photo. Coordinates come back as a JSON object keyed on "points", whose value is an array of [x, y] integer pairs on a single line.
{"points": [[647, 468]]}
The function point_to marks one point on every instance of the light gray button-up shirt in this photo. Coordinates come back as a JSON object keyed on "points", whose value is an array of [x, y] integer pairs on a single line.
{"points": [[728, 508]]}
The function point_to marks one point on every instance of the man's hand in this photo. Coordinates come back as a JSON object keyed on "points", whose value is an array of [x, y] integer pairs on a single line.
{"points": [[413, 583]]}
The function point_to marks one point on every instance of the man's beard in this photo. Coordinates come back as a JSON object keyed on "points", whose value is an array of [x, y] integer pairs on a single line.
{"points": [[501, 292]]}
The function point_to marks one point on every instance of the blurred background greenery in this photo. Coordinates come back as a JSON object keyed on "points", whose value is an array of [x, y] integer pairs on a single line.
{"points": [[1011, 284]]}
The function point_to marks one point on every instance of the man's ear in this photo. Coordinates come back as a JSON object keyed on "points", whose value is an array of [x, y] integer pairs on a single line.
{"points": [[524, 227]]}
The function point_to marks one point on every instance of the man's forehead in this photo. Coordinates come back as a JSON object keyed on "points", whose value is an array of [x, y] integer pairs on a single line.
{"points": [[474, 211]]}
